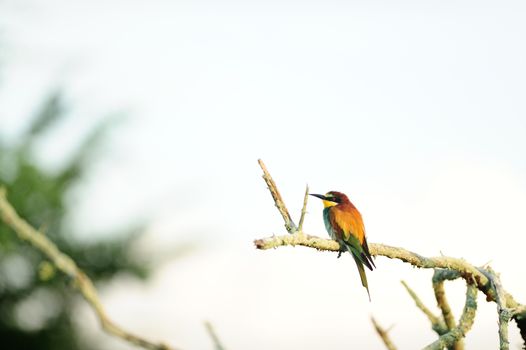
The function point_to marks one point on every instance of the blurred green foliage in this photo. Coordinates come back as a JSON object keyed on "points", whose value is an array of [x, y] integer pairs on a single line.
{"points": [[36, 303]]}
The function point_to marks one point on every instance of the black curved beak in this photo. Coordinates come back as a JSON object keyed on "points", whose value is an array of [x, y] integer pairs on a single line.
{"points": [[320, 196]]}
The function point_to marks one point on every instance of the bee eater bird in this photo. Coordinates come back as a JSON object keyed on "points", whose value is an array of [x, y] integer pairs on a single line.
{"points": [[345, 225]]}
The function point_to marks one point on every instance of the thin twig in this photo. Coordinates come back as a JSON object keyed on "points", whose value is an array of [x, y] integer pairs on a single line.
{"points": [[437, 324], [464, 325], [304, 209], [213, 335], [384, 335], [289, 224], [65, 264]]}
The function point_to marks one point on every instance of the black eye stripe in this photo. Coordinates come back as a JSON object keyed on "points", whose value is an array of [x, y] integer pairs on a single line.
{"points": [[333, 198]]}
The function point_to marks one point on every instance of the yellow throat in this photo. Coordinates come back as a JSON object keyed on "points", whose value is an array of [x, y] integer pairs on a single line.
{"points": [[328, 204]]}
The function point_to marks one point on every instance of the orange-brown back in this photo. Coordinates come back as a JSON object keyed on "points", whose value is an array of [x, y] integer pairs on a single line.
{"points": [[347, 220]]}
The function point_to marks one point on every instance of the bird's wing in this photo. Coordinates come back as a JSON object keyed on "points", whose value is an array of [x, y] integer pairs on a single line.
{"points": [[348, 224], [349, 221]]}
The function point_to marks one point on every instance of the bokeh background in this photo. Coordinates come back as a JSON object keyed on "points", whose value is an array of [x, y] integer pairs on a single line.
{"points": [[130, 132]]}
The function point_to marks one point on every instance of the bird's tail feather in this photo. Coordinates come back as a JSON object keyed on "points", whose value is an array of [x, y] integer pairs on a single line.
{"points": [[361, 271]]}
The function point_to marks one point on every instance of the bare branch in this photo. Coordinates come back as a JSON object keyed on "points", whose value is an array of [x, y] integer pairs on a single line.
{"points": [[437, 324], [65, 264], [289, 224], [384, 335], [464, 325], [213, 335], [304, 209]]}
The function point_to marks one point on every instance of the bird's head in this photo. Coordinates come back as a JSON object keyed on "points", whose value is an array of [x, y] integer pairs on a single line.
{"points": [[332, 198]]}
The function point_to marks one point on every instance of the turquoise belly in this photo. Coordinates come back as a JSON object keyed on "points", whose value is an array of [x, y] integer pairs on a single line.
{"points": [[328, 225]]}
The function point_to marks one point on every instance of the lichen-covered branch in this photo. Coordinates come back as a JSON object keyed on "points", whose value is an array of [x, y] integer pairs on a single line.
{"points": [[65, 264], [443, 304], [295, 239], [383, 334], [453, 267], [465, 270], [464, 325], [437, 324], [504, 313]]}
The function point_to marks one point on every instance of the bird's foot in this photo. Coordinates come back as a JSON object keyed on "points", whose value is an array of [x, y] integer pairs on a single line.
{"points": [[339, 254]]}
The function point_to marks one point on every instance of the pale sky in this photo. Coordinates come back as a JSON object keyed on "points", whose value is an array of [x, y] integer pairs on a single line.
{"points": [[414, 109]]}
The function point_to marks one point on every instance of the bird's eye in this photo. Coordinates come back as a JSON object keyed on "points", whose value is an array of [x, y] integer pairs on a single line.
{"points": [[332, 198]]}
